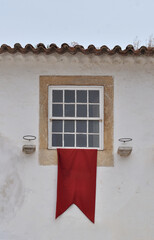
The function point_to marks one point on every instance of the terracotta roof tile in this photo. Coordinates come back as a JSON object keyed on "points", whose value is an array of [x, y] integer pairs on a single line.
{"points": [[65, 48]]}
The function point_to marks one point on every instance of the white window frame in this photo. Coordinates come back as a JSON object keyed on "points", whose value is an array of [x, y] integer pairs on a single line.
{"points": [[100, 119]]}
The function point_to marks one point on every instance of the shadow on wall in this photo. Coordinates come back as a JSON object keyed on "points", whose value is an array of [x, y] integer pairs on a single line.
{"points": [[11, 187]]}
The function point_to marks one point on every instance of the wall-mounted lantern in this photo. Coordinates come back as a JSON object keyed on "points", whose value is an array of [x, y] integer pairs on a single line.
{"points": [[29, 147], [124, 150]]}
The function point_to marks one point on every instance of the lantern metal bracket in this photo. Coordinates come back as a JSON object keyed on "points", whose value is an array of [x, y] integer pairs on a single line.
{"points": [[29, 148], [125, 150]]}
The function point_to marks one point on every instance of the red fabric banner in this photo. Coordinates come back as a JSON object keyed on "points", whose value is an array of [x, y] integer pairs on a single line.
{"points": [[76, 180]]}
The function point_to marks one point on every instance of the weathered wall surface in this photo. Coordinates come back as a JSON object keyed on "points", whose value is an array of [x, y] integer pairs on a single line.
{"points": [[125, 192]]}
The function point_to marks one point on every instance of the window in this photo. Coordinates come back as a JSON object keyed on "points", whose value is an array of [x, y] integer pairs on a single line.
{"points": [[76, 111], [75, 117]]}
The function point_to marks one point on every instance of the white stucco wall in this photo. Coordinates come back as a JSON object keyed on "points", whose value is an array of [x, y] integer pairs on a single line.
{"points": [[125, 192]]}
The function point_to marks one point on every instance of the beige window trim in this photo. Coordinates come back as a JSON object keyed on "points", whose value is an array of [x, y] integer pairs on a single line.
{"points": [[48, 156]]}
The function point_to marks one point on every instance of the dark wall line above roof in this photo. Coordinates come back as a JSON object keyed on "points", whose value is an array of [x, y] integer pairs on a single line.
{"points": [[65, 48]]}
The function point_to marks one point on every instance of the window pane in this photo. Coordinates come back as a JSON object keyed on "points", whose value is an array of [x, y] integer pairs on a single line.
{"points": [[81, 126], [81, 140], [57, 96], [93, 127], [93, 110], [69, 110], [69, 96], [69, 126], [93, 96], [81, 110], [57, 126], [57, 110], [69, 140], [82, 96], [57, 140], [93, 141]]}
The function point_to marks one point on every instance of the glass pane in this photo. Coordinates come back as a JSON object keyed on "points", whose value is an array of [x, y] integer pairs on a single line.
{"points": [[69, 140], [57, 95], [81, 126], [93, 96], [93, 110], [82, 96], [69, 96], [81, 140], [81, 110], [93, 141], [69, 126], [69, 110], [93, 127], [57, 110], [57, 140], [57, 126]]}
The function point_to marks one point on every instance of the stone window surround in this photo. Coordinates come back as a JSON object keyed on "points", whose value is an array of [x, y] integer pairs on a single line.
{"points": [[48, 156]]}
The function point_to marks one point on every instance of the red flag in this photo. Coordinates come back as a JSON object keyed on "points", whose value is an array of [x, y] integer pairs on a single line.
{"points": [[77, 180]]}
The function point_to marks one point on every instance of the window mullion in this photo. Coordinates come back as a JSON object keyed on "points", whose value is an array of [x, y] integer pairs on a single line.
{"points": [[88, 117], [63, 120], [87, 131], [76, 118]]}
